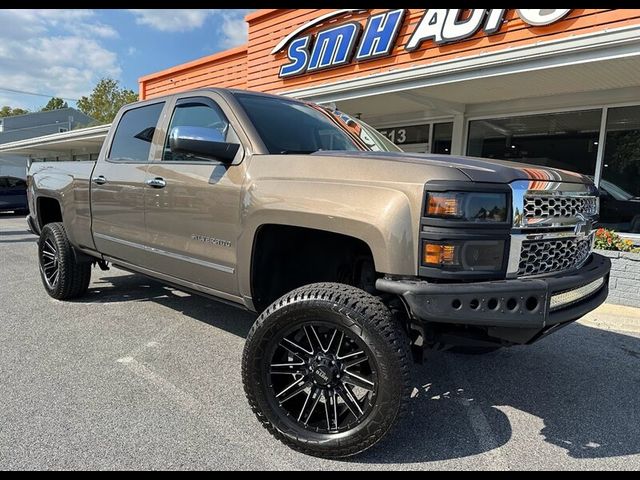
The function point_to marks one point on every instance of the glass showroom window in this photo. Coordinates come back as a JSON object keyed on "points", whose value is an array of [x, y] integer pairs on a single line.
{"points": [[620, 182], [567, 140], [442, 134]]}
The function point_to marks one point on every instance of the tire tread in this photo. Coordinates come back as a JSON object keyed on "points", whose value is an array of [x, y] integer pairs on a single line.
{"points": [[346, 298], [74, 277]]}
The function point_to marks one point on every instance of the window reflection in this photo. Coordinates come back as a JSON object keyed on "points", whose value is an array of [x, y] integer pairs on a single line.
{"points": [[620, 183], [567, 140]]}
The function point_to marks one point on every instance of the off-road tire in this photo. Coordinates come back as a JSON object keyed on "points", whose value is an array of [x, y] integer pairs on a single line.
{"points": [[363, 315], [73, 277]]}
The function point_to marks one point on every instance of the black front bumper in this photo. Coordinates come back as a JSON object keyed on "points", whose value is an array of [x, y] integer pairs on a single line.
{"points": [[516, 303]]}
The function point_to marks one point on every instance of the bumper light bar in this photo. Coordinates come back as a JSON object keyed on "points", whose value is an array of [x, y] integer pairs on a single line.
{"points": [[565, 298]]}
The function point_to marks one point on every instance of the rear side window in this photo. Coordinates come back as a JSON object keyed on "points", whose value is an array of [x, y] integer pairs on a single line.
{"points": [[17, 183], [132, 140], [12, 183]]}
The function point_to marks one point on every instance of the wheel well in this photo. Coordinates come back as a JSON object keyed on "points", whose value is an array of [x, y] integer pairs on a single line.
{"points": [[49, 211], [286, 257]]}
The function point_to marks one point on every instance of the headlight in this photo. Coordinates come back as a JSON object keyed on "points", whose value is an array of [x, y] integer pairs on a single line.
{"points": [[467, 206], [468, 255]]}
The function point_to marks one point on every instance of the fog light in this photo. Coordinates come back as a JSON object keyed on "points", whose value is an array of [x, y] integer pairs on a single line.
{"points": [[467, 255], [439, 254], [482, 255]]}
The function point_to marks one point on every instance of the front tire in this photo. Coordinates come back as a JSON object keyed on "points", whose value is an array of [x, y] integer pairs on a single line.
{"points": [[325, 369], [62, 276]]}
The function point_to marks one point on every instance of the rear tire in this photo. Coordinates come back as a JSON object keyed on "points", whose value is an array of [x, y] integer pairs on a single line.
{"points": [[346, 356], [62, 276]]}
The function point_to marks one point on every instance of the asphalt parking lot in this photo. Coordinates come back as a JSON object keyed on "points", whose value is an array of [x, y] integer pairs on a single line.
{"points": [[140, 376]]}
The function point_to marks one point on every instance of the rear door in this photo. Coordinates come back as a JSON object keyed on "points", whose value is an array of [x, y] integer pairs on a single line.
{"points": [[193, 214], [118, 184]]}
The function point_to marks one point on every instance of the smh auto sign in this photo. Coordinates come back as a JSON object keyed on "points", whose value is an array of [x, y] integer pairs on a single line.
{"points": [[336, 45]]}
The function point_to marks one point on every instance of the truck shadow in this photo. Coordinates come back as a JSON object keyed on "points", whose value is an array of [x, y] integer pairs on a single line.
{"points": [[123, 288], [579, 388]]}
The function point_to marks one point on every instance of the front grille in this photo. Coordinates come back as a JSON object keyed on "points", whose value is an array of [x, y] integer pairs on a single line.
{"points": [[538, 257], [556, 206]]}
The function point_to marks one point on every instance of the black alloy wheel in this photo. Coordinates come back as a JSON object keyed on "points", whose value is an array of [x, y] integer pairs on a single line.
{"points": [[322, 377], [49, 264], [326, 369], [63, 276]]}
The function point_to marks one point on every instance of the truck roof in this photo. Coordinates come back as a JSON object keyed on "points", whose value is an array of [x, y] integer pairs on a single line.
{"points": [[223, 91]]}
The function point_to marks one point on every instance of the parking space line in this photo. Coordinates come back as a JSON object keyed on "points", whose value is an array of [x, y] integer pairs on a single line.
{"points": [[489, 445], [167, 388], [183, 399]]}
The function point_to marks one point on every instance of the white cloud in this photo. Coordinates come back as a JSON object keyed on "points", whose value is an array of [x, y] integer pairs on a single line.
{"points": [[171, 20], [235, 31], [101, 30], [57, 52], [5, 100], [233, 26]]}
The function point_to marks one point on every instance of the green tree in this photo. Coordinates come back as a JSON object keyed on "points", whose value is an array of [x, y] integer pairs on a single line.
{"points": [[105, 100], [54, 104], [7, 111]]}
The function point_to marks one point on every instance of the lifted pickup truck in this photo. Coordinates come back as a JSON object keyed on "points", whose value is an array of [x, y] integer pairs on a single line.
{"points": [[357, 256]]}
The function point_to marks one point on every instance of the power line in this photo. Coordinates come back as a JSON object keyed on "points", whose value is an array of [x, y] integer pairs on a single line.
{"points": [[36, 94]]}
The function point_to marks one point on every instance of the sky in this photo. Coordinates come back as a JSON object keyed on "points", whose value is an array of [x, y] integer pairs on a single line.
{"points": [[64, 53]]}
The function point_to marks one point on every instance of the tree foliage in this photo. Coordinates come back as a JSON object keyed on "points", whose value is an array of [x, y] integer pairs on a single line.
{"points": [[54, 104], [105, 100], [7, 111]]}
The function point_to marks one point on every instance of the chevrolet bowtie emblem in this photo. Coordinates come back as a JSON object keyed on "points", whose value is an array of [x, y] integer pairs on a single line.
{"points": [[583, 225]]}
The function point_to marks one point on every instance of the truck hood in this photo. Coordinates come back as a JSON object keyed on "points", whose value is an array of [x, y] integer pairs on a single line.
{"points": [[475, 168]]}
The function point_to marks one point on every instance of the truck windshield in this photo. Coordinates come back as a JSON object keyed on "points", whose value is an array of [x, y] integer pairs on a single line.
{"points": [[287, 127]]}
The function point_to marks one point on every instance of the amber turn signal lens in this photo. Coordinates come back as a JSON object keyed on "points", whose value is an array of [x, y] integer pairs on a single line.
{"points": [[442, 205], [436, 254]]}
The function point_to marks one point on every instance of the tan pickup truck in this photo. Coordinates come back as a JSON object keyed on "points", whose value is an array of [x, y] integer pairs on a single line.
{"points": [[357, 256]]}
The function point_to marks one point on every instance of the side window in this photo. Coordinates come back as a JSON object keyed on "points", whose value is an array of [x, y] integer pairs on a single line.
{"points": [[197, 112], [13, 182], [132, 140], [4, 183]]}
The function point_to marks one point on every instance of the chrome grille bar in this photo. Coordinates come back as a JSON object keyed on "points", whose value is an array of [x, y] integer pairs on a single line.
{"points": [[552, 227], [552, 205], [538, 257], [538, 207]]}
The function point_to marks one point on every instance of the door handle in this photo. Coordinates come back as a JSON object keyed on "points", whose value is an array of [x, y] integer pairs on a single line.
{"points": [[156, 182], [99, 180]]}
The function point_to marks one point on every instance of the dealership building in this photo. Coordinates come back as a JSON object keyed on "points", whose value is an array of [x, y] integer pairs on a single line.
{"points": [[557, 87]]}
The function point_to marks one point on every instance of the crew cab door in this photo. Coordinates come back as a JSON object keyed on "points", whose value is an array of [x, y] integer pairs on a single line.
{"points": [[193, 204], [118, 185]]}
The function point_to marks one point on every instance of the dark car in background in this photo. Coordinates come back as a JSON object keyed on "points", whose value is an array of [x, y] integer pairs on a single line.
{"points": [[13, 195], [619, 209]]}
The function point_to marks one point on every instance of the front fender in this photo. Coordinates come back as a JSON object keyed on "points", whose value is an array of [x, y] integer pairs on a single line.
{"points": [[382, 217]]}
